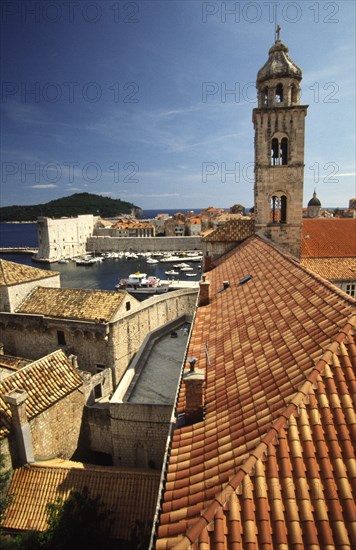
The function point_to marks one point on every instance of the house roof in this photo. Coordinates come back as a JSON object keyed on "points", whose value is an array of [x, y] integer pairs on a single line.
{"points": [[73, 303], [329, 238], [270, 464], [233, 230], [12, 273], [13, 363], [129, 494], [45, 381], [333, 269]]}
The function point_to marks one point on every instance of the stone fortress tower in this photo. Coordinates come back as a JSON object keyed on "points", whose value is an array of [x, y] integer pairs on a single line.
{"points": [[279, 123]]}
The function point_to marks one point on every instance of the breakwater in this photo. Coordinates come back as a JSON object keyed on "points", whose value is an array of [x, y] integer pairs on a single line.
{"points": [[143, 244]]}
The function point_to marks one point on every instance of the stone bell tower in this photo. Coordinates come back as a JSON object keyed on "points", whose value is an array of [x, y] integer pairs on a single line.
{"points": [[279, 123]]}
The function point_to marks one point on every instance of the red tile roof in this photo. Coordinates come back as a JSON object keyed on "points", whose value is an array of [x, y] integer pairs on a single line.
{"points": [[130, 494], [334, 269], [271, 463], [328, 238], [45, 381]]}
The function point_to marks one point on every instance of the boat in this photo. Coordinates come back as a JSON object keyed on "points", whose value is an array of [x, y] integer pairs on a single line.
{"points": [[151, 261], [191, 274], [187, 268], [63, 261], [171, 272], [141, 283]]}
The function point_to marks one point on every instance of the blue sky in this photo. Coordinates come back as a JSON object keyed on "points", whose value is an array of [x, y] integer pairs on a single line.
{"points": [[131, 99]]}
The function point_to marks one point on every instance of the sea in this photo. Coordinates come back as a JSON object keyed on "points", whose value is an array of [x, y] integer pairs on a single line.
{"points": [[102, 276]]}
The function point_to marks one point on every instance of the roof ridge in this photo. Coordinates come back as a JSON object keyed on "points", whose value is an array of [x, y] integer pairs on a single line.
{"points": [[223, 496]]}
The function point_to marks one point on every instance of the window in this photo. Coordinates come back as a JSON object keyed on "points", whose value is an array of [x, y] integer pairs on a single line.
{"points": [[279, 151], [351, 289], [98, 391], [279, 94], [128, 306], [61, 338], [294, 90], [279, 209], [100, 368], [265, 96]]}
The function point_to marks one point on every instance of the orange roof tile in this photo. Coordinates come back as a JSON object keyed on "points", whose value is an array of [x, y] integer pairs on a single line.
{"points": [[233, 230], [72, 303], [270, 464], [45, 381], [328, 238], [332, 268], [12, 273], [130, 494]]}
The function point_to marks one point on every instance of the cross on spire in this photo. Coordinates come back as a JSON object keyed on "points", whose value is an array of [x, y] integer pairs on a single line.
{"points": [[278, 30]]}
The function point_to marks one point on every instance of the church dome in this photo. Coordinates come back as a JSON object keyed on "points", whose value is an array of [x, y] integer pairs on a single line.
{"points": [[314, 201], [279, 65]]}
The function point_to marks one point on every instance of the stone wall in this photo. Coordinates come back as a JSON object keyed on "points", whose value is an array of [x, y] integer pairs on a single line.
{"points": [[144, 244], [128, 334], [133, 434], [55, 432]]}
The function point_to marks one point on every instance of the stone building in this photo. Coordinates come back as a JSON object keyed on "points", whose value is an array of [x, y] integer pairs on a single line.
{"points": [[78, 321], [314, 207], [17, 280], [64, 237], [41, 406], [279, 150]]}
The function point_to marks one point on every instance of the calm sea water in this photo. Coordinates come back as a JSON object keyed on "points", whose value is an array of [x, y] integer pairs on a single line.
{"points": [[102, 276]]}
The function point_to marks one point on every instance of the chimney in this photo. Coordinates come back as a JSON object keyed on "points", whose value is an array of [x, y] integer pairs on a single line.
{"points": [[1, 348], [208, 263], [194, 380], [17, 401], [73, 359], [204, 290]]}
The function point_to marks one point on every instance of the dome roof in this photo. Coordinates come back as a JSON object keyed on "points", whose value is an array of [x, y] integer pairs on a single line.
{"points": [[279, 64], [314, 201]]}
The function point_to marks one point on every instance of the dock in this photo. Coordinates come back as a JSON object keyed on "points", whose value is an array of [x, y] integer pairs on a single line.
{"points": [[18, 250]]}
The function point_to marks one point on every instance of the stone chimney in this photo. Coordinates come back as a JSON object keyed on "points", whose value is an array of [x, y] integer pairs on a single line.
{"points": [[208, 263], [17, 401], [204, 291], [73, 359], [194, 381]]}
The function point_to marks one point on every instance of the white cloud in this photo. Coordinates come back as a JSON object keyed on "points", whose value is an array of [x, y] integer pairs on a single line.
{"points": [[44, 186]]}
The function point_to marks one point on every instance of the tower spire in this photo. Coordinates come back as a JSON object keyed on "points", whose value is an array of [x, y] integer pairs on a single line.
{"points": [[277, 33]]}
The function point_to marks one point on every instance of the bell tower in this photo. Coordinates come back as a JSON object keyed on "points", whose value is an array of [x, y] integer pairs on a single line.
{"points": [[279, 124]]}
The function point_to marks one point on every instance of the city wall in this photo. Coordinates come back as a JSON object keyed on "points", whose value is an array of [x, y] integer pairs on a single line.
{"points": [[143, 244]]}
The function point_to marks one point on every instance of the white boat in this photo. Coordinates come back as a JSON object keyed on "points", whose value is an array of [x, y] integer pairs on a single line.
{"points": [[86, 260], [191, 274], [187, 268], [63, 261], [171, 272], [182, 265], [151, 261], [141, 283]]}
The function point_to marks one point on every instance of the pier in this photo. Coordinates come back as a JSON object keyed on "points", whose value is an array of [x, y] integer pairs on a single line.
{"points": [[18, 250]]}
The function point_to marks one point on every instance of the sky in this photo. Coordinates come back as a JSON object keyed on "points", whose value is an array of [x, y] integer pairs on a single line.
{"points": [[151, 101]]}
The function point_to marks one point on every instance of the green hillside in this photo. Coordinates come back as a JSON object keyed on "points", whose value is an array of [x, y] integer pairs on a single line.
{"points": [[79, 203]]}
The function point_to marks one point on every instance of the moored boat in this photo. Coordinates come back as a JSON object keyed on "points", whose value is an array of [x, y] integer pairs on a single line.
{"points": [[141, 283]]}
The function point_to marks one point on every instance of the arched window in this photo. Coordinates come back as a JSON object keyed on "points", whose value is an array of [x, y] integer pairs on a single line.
{"points": [[279, 94], [284, 151], [265, 96], [279, 209], [279, 151], [275, 152]]}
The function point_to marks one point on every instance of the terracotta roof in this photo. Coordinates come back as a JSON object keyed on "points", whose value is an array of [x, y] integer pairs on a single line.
{"points": [[328, 238], [233, 230], [333, 269], [45, 381], [12, 273], [72, 303], [270, 465], [129, 494]]}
